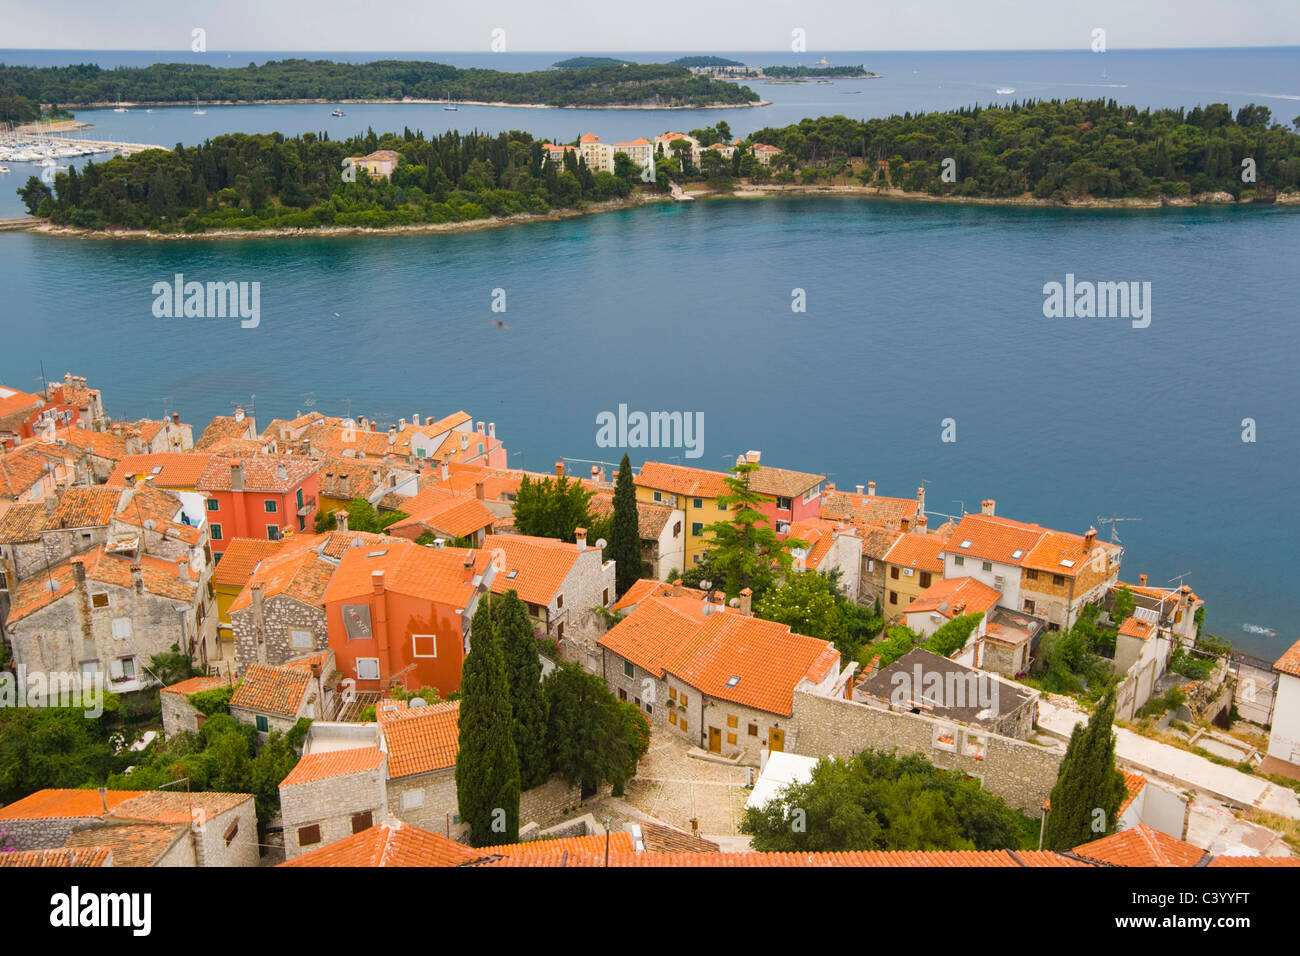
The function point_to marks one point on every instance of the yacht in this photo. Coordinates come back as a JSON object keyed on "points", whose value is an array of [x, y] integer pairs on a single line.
{"points": [[4, 169], [451, 104], [337, 113]]}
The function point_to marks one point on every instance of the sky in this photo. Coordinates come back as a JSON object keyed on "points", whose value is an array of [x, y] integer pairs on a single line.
{"points": [[656, 25]]}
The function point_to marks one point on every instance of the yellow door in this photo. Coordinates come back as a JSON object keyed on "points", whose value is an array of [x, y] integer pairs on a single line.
{"points": [[776, 740], [715, 740]]}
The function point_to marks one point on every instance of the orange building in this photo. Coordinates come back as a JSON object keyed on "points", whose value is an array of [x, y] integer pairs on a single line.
{"points": [[259, 497]]}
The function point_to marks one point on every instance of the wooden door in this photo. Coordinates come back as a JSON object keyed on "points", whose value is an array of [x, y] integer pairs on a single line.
{"points": [[715, 740], [776, 740]]}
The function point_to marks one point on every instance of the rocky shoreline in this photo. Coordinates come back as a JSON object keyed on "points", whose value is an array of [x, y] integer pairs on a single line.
{"points": [[404, 101]]}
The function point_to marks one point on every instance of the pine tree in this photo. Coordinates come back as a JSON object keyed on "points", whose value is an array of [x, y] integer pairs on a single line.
{"points": [[527, 701], [487, 768], [625, 535], [745, 547], [1089, 790]]}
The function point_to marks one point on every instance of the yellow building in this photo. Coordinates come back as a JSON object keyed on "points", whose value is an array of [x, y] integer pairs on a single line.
{"points": [[695, 491], [911, 566], [232, 572]]}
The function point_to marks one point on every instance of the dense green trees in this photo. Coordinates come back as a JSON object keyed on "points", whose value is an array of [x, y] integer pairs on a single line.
{"points": [[527, 701], [625, 533], [52, 747], [244, 181], [592, 84], [592, 737], [1058, 150], [1089, 790], [552, 507], [487, 768], [880, 801], [747, 552], [812, 603], [952, 635]]}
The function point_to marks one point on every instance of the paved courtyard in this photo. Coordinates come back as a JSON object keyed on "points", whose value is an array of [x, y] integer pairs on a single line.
{"points": [[673, 787]]}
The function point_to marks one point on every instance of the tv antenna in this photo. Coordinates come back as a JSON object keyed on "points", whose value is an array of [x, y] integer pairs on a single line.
{"points": [[1113, 520], [1179, 578]]}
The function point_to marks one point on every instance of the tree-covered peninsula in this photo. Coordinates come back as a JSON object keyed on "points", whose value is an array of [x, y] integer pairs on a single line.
{"points": [[646, 85]]}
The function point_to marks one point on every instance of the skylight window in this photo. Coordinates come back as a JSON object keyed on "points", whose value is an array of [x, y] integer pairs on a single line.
{"points": [[376, 554], [1019, 552], [157, 470], [1067, 564], [965, 544], [733, 680], [513, 573]]}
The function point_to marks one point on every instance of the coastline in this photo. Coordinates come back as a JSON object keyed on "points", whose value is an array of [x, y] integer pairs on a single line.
{"points": [[404, 101], [750, 192]]}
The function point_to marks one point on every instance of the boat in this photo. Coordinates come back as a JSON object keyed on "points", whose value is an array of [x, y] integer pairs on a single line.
{"points": [[4, 169], [451, 105], [1005, 90], [197, 111], [119, 109], [337, 113]]}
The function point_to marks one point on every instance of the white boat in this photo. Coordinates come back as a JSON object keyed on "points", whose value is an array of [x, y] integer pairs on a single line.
{"points": [[337, 113], [451, 105], [197, 111], [1005, 90], [4, 169]]}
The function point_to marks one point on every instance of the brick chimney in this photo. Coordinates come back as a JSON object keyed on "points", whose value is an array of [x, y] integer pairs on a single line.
{"points": [[746, 600], [830, 487], [377, 581], [1142, 580], [677, 588], [341, 518], [137, 578], [987, 506], [920, 501], [871, 488], [580, 536], [921, 523], [176, 418], [79, 573], [1089, 539], [559, 469], [906, 525], [478, 490], [236, 476]]}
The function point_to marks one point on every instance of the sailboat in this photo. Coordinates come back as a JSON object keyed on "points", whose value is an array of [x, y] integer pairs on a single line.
{"points": [[119, 108], [451, 104], [197, 111]]}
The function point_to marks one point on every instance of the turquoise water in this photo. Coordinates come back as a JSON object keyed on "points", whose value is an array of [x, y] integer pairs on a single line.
{"points": [[915, 313]]}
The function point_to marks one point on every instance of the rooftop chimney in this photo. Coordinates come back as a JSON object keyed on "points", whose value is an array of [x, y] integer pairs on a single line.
{"points": [[480, 428], [860, 488], [559, 469], [361, 422], [921, 522], [445, 471], [478, 490], [103, 798], [392, 434], [752, 456], [78, 573], [377, 579], [236, 476], [871, 487], [987, 506], [282, 472], [492, 429], [415, 420], [341, 518], [677, 588], [830, 487], [1142, 580], [176, 418], [239, 414], [920, 501], [464, 441], [183, 570], [1090, 539], [746, 599], [580, 536], [137, 578], [401, 424], [906, 525]]}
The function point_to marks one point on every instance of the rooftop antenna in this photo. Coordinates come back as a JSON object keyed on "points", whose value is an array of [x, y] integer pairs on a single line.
{"points": [[1113, 520], [1179, 578]]}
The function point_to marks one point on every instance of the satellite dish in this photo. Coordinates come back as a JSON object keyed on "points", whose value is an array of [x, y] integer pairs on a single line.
{"points": [[601, 544], [417, 702], [706, 585]]}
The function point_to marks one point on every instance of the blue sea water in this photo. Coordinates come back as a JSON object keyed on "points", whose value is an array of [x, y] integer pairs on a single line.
{"points": [[915, 314]]}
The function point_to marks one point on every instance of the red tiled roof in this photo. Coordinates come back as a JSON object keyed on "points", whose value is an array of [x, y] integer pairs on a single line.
{"points": [[1255, 861], [390, 844], [85, 508], [178, 469], [170, 806], [64, 804], [297, 570], [423, 739], [334, 763], [1289, 662], [995, 539], [434, 574], [194, 685], [681, 480], [782, 482], [21, 469], [541, 565], [262, 473], [948, 594], [131, 844], [1136, 627], [241, 556], [272, 690], [919, 551], [224, 426], [160, 578], [1141, 846], [59, 856], [438, 509], [23, 522]]}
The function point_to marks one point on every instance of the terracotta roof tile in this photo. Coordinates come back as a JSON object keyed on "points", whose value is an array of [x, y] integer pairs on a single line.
{"points": [[59, 856], [681, 480], [21, 469], [995, 539], [194, 685], [390, 844], [540, 565], [272, 690], [63, 804], [438, 510], [422, 740], [919, 551], [131, 844], [175, 469], [1140, 846], [241, 556], [23, 523], [782, 482], [953, 597], [1289, 662], [1136, 627], [224, 426], [170, 806], [334, 763], [262, 473], [435, 574], [159, 577]]}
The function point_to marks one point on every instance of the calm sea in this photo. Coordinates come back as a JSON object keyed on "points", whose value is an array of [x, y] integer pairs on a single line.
{"points": [[915, 314]]}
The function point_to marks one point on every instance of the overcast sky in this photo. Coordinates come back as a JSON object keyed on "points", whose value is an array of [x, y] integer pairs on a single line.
{"points": [[632, 25]]}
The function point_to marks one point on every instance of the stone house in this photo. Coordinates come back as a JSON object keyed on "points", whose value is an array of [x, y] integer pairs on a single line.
{"points": [[715, 675], [275, 698], [178, 714], [422, 744], [332, 795], [911, 564], [560, 583], [950, 598], [832, 546], [104, 615], [663, 543]]}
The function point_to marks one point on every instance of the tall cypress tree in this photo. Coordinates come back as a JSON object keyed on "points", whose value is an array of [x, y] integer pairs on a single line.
{"points": [[527, 701], [625, 534], [487, 768], [1088, 783]]}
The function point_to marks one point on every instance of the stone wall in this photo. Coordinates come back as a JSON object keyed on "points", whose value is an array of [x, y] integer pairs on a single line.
{"points": [[178, 714], [1019, 772], [43, 834], [332, 803], [280, 616], [549, 803], [230, 838]]}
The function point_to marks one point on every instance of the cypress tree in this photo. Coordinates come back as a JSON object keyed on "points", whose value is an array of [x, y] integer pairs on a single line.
{"points": [[527, 701], [487, 768], [625, 534], [1088, 782]]}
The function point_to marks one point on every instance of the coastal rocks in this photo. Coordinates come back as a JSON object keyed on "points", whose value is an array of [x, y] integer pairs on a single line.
{"points": [[1287, 199], [1215, 198]]}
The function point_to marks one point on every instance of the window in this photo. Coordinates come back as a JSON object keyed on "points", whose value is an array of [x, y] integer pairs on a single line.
{"points": [[1029, 607], [699, 503], [368, 668], [658, 496], [362, 821], [559, 631], [302, 523], [424, 645], [628, 669], [731, 738], [300, 502], [672, 693], [622, 694], [871, 564], [90, 671], [697, 528], [672, 717], [677, 528], [721, 506], [682, 725], [925, 579], [649, 709], [604, 597], [684, 700], [232, 833], [122, 627], [214, 531], [213, 504], [272, 532], [695, 559], [893, 572], [959, 560], [1058, 580], [263, 725], [559, 601], [269, 506], [783, 527], [783, 504], [1031, 575], [753, 730], [99, 600], [987, 565], [533, 610], [731, 721], [412, 799], [309, 836], [893, 597]]}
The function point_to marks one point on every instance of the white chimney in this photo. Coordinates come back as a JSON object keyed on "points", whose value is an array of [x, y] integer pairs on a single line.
{"points": [[492, 429], [464, 441], [415, 420], [860, 487], [580, 536], [239, 414], [987, 506], [401, 424], [871, 488]]}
